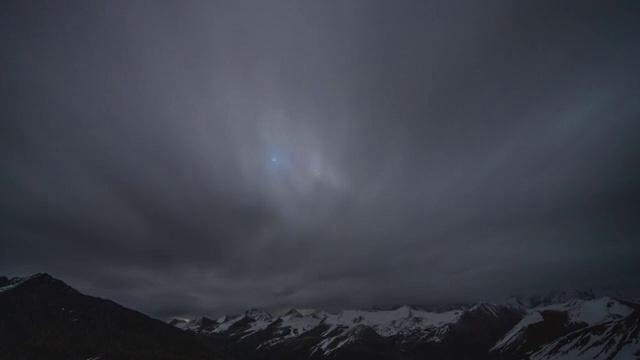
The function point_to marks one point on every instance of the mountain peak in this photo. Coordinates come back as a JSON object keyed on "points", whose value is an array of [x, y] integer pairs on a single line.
{"points": [[258, 314], [533, 300], [175, 322], [40, 281], [319, 314], [45, 276], [292, 313], [204, 322], [84, 327]]}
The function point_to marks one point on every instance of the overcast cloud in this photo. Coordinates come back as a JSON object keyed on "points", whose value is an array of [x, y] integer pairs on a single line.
{"points": [[194, 157]]}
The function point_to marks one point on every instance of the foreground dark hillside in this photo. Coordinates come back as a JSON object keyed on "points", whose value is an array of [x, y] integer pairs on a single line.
{"points": [[43, 318]]}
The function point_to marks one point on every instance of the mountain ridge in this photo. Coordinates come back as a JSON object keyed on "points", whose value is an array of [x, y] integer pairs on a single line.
{"points": [[42, 317], [480, 331]]}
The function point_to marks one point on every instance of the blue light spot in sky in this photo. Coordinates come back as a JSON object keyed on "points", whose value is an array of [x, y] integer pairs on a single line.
{"points": [[275, 162]]}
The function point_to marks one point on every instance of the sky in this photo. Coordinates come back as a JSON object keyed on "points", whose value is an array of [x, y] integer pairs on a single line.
{"points": [[203, 157]]}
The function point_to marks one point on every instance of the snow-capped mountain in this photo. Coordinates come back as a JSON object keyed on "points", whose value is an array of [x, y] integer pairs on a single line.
{"points": [[578, 324], [258, 315], [549, 298], [544, 325], [43, 318], [321, 334], [562, 296], [619, 339]]}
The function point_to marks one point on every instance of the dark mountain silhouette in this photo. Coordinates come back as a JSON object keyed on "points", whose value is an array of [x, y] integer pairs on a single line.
{"points": [[43, 318]]}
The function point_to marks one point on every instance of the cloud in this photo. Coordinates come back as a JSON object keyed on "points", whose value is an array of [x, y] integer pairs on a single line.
{"points": [[201, 158]]}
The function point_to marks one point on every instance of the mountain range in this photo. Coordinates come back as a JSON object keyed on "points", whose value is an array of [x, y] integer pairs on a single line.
{"points": [[43, 318]]}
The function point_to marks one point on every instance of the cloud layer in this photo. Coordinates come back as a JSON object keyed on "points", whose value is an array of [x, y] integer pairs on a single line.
{"points": [[204, 157]]}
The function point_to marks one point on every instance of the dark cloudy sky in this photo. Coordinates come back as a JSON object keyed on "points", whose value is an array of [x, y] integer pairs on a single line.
{"points": [[202, 157]]}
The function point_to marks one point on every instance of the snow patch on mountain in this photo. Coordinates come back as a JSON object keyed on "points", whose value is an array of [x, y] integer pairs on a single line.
{"points": [[258, 315], [256, 326], [299, 325], [8, 284], [393, 322], [7, 287], [610, 340], [592, 311], [589, 312], [227, 324], [518, 330], [329, 345], [385, 323]]}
